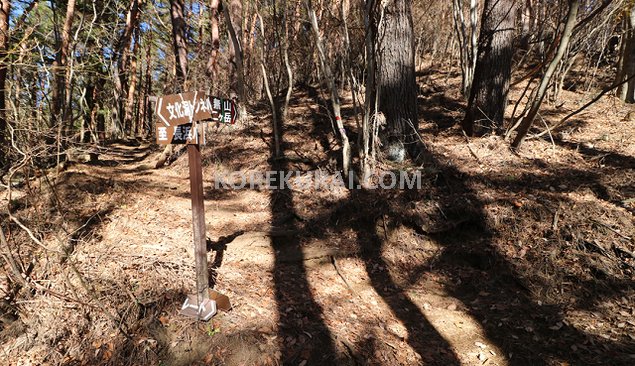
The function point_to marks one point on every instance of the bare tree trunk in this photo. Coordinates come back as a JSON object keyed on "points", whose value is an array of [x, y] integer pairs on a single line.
{"points": [[122, 72], [335, 99], [179, 43], [287, 64], [146, 112], [467, 41], [527, 20], [488, 95], [297, 16], [274, 108], [370, 107], [89, 117], [4, 45], [528, 120], [212, 70], [626, 91], [180, 52], [236, 72], [59, 67], [474, 7], [129, 123], [396, 83]]}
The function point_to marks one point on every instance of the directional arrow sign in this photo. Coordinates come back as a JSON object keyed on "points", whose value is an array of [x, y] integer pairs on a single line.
{"points": [[176, 113], [178, 109]]}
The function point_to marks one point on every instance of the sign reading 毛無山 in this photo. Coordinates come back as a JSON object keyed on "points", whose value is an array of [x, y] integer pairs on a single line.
{"points": [[177, 110]]}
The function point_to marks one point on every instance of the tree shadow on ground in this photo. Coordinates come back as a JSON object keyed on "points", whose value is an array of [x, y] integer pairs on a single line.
{"points": [[491, 288], [607, 158], [445, 112], [424, 339], [483, 278], [422, 336], [219, 246], [298, 311]]}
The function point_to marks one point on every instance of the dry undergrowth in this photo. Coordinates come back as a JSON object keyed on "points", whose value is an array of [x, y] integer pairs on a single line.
{"points": [[513, 259]]}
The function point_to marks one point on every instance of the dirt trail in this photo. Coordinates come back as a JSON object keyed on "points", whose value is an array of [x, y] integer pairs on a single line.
{"points": [[498, 259], [148, 239]]}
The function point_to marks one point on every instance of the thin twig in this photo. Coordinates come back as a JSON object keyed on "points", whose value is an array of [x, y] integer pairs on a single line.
{"points": [[32, 236], [613, 230], [592, 101], [337, 269], [467, 140]]}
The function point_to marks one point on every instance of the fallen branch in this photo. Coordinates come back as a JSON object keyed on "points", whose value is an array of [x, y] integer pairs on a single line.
{"points": [[592, 101], [32, 236], [613, 230], [467, 141], [337, 269]]}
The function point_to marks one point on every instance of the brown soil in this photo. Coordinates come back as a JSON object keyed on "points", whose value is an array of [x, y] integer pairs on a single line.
{"points": [[499, 259]]}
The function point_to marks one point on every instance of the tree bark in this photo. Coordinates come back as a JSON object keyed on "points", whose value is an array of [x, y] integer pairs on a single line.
{"points": [[5, 9], [274, 108], [59, 66], [146, 110], [468, 42], [528, 120], [212, 70], [122, 71], [396, 83], [335, 98], [234, 16], [626, 91], [129, 123], [488, 96], [367, 146], [179, 43]]}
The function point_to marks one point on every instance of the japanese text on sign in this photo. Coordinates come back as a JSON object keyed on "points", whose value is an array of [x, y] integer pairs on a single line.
{"points": [[181, 134], [189, 107]]}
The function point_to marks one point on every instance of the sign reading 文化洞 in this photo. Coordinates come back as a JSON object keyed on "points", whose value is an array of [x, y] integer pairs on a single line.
{"points": [[178, 109], [182, 109]]}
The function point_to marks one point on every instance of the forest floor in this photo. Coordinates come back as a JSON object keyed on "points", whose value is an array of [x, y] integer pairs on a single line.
{"points": [[499, 259]]}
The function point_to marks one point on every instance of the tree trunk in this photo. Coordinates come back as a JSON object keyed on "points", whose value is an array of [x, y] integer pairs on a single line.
{"points": [[4, 45], [527, 20], [488, 96], [89, 117], [468, 41], [335, 98], [234, 16], [179, 43], [396, 83], [122, 71], [528, 120], [626, 91], [368, 144], [146, 110], [59, 68], [129, 123], [274, 108], [212, 70]]}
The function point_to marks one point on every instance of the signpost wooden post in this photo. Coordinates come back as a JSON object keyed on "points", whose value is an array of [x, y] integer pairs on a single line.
{"points": [[178, 114]]}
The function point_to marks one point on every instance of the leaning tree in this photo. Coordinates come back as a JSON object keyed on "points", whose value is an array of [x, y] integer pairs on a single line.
{"points": [[488, 95]]}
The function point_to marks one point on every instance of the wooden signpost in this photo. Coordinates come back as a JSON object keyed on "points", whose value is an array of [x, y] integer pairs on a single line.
{"points": [[178, 114]]}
